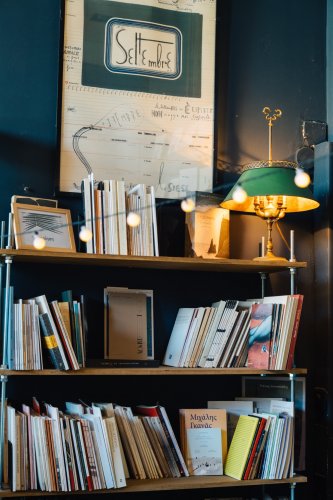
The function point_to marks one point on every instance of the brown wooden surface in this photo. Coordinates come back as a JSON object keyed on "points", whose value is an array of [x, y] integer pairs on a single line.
{"points": [[183, 483], [181, 263], [163, 370]]}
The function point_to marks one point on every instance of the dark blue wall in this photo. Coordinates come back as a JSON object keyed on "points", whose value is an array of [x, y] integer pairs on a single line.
{"points": [[269, 53]]}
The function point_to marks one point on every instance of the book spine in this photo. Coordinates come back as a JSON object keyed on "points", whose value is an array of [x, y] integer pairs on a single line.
{"points": [[50, 342], [172, 441], [290, 359]]}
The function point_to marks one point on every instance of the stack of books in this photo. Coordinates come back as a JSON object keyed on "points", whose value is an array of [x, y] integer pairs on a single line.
{"points": [[262, 444], [59, 326], [106, 206], [129, 324], [258, 333], [88, 448]]}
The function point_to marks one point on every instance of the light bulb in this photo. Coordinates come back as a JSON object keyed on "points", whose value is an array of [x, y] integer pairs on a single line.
{"points": [[302, 179], [85, 234], [187, 205], [133, 219], [39, 242], [239, 195]]}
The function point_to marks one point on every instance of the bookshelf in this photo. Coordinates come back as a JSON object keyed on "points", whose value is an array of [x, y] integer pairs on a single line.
{"points": [[160, 265]]}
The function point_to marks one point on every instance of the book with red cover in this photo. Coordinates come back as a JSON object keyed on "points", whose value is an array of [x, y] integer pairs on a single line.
{"points": [[290, 360], [260, 336], [260, 428]]}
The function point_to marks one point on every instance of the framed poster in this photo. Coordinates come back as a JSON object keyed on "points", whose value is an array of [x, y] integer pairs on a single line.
{"points": [[138, 94], [52, 224]]}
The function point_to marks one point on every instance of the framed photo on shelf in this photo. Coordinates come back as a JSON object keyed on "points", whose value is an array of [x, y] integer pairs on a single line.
{"points": [[52, 224]]}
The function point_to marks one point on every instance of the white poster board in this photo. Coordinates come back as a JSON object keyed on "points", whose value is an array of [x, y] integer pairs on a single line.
{"points": [[138, 94]]}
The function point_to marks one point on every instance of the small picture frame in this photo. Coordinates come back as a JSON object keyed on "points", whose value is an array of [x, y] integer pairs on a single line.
{"points": [[52, 224]]}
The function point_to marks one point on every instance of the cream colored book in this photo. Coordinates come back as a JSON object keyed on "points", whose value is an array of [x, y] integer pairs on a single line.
{"points": [[240, 446], [203, 418]]}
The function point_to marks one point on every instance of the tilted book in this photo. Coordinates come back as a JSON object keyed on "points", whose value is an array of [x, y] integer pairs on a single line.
{"points": [[240, 446]]}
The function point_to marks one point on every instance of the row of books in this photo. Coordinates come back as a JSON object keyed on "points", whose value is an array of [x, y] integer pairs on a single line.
{"points": [[59, 326], [106, 207], [87, 448], [258, 333], [128, 324], [262, 444]]}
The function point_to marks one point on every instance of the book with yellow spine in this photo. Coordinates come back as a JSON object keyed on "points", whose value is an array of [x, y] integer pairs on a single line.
{"points": [[240, 446]]}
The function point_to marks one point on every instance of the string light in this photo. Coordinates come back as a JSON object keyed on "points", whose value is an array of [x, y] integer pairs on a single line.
{"points": [[239, 195], [38, 242], [188, 205], [302, 179], [85, 234], [133, 219]]}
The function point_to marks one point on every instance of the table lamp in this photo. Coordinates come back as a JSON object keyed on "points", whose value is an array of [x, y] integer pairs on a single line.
{"points": [[268, 189]]}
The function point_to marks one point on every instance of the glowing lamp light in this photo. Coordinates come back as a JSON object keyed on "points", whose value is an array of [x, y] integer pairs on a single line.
{"points": [[302, 179], [39, 242], [187, 205], [85, 234], [133, 219], [239, 195]]}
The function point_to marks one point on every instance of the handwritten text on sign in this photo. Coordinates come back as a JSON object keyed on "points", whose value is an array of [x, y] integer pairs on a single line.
{"points": [[143, 48]]}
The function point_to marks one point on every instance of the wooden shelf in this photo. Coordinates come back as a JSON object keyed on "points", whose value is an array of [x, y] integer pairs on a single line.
{"points": [[183, 483], [178, 263], [163, 370]]}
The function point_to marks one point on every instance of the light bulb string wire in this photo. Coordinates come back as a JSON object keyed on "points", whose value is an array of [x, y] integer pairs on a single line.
{"points": [[158, 205]]}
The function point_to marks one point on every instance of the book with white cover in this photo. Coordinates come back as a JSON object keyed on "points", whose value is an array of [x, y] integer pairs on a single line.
{"points": [[204, 451], [191, 336], [178, 336], [219, 306]]}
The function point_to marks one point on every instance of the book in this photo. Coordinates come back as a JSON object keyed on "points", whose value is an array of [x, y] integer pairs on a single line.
{"points": [[204, 457], [50, 342], [44, 308], [178, 336], [207, 227], [260, 336], [240, 446], [258, 436], [123, 363], [63, 333], [160, 412], [129, 324]]}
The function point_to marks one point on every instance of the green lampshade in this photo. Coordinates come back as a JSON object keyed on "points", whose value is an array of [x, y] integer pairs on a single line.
{"points": [[271, 178]]}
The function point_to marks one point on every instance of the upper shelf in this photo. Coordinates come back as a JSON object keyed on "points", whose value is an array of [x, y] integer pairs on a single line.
{"points": [[179, 263]]}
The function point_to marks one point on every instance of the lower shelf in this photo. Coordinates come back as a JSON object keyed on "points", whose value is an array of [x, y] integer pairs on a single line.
{"points": [[183, 483]]}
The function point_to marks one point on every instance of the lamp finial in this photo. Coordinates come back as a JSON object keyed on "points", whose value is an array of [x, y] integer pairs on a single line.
{"points": [[271, 117]]}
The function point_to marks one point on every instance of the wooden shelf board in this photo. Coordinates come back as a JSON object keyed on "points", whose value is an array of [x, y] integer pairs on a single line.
{"points": [[183, 483], [179, 263], [163, 370]]}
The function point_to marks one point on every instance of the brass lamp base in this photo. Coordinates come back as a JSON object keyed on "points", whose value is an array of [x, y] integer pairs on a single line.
{"points": [[269, 258]]}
